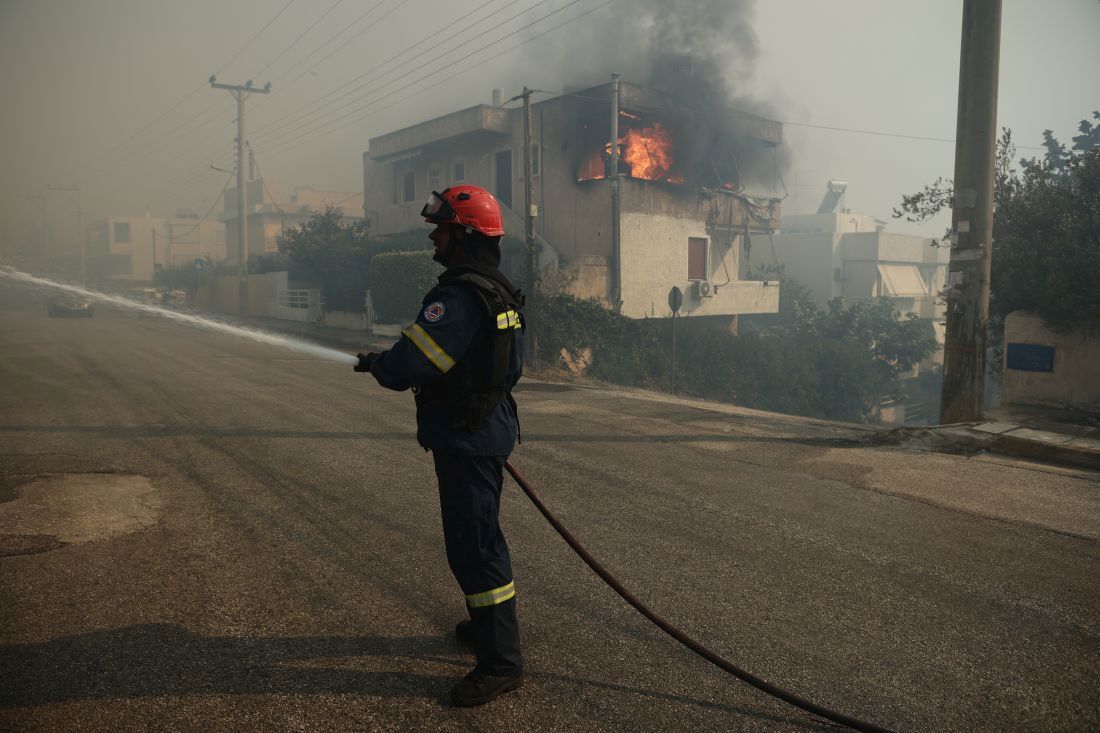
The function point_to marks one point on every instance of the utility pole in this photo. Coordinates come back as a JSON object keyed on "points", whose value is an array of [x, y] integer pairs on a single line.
{"points": [[240, 93], [972, 214], [529, 230], [79, 230], [153, 275], [616, 268], [45, 223]]}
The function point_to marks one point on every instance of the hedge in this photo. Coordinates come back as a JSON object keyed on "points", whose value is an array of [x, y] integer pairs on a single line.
{"points": [[398, 282]]}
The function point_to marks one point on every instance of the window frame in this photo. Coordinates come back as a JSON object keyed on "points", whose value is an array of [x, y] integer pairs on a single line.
{"points": [[705, 259], [408, 186], [115, 228], [455, 177]]}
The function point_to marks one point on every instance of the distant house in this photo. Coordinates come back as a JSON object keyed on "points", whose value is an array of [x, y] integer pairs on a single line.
{"points": [[271, 213], [839, 254], [697, 184], [133, 248]]}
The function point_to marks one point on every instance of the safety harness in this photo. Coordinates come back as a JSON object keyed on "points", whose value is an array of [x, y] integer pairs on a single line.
{"points": [[479, 381]]}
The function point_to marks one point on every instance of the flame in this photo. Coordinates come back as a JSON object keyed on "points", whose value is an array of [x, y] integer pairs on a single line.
{"points": [[647, 151]]}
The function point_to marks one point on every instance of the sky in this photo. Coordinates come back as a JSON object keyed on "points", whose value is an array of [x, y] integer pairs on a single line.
{"points": [[112, 95]]}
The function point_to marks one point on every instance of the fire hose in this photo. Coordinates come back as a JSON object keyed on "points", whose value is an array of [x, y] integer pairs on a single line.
{"points": [[677, 634]]}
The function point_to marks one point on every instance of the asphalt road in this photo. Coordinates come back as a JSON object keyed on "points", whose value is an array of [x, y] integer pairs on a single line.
{"points": [[200, 533]]}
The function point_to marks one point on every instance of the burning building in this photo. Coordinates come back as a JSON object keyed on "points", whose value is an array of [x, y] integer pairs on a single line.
{"points": [[695, 186]]}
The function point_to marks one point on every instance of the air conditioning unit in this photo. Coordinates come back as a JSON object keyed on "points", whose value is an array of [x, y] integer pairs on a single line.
{"points": [[703, 288]]}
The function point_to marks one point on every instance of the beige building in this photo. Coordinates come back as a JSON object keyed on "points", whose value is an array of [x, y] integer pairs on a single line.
{"points": [[696, 185], [839, 254], [271, 213], [133, 248]]}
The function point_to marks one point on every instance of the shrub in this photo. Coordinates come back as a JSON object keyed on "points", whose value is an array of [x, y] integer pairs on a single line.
{"points": [[398, 282]]}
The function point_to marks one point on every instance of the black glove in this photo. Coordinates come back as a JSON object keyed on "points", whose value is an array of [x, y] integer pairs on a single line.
{"points": [[366, 361]]}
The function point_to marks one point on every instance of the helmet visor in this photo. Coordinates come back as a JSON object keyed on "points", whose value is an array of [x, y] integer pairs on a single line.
{"points": [[437, 208]]}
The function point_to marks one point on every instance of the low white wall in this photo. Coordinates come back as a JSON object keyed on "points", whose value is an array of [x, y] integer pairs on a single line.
{"points": [[1074, 377], [346, 319]]}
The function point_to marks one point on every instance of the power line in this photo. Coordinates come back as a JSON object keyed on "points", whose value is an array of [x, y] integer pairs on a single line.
{"points": [[313, 110], [285, 144], [256, 35], [277, 139], [793, 124], [355, 22], [208, 211], [106, 154], [300, 37]]}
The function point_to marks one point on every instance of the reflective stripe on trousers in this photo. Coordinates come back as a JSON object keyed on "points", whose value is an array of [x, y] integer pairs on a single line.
{"points": [[469, 498]]}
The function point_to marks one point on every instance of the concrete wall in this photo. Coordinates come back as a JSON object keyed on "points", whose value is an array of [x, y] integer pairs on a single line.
{"points": [[346, 319], [655, 258], [1075, 379], [810, 258]]}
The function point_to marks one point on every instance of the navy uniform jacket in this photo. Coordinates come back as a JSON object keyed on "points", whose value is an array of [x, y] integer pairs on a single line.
{"points": [[451, 321]]}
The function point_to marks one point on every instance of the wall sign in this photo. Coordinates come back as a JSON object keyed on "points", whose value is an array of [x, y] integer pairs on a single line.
{"points": [[1030, 357]]}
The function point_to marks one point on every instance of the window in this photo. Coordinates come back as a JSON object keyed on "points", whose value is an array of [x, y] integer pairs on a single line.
{"points": [[536, 160], [434, 178], [697, 258], [458, 170], [122, 232], [408, 186]]}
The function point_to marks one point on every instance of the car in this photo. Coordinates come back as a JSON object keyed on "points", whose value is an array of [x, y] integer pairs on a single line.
{"points": [[69, 307]]}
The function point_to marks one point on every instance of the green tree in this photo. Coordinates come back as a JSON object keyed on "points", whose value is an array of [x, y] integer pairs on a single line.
{"points": [[1046, 231], [336, 254]]}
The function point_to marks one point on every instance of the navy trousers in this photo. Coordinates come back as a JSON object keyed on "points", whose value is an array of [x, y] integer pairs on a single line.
{"points": [[469, 499]]}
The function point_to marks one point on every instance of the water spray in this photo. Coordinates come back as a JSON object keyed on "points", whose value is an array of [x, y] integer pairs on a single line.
{"points": [[263, 337]]}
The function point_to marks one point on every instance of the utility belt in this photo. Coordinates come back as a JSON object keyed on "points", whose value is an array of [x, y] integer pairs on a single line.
{"points": [[467, 412]]}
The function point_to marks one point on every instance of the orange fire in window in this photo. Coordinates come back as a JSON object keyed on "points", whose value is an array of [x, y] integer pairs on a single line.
{"points": [[646, 151]]}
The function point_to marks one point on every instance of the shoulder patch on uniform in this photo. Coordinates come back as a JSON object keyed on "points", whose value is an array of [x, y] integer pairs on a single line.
{"points": [[434, 312]]}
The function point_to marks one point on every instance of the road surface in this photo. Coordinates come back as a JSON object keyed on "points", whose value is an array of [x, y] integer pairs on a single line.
{"points": [[203, 533]]}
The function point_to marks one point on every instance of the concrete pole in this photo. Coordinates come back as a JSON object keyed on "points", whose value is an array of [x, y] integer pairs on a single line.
{"points": [[529, 230], [964, 360], [616, 265], [242, 210], [79, 226], [240, 93]]}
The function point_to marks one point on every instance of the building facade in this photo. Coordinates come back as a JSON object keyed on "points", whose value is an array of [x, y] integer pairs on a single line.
{"points": [[271, 213], [134, 248], [690, 197], [840, 254]]}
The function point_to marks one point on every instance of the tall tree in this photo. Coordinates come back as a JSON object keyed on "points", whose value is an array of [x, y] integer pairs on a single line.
{"points": [[1046, 230]]}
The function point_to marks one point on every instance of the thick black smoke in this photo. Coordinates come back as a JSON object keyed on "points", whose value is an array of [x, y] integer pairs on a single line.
{"points": [[703, 51]]}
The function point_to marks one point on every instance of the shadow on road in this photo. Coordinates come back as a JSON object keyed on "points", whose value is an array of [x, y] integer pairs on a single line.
{"points": [[135, 432], [166, 659], [155, 660]]}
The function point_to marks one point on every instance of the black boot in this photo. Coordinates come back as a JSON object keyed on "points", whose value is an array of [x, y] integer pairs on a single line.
{"points": [[478, 688]]}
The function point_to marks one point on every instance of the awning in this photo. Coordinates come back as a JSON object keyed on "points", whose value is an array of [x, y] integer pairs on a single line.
{"points": [[901, 281]]}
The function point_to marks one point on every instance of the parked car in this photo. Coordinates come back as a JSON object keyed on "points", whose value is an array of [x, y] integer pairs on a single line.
{"points": [[69, 307]]}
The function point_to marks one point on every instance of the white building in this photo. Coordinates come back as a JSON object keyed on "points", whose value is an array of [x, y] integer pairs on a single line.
{"points": [[839, 254]]}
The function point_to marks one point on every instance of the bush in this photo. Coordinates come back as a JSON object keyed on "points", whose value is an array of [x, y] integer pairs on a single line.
{"points": [[398, 282]]}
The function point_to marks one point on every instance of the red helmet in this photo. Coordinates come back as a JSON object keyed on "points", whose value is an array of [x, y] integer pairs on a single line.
{"points": [[468, 206]]}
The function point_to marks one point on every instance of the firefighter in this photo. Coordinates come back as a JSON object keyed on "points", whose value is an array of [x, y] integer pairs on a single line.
{"points": [[461, 358]]}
